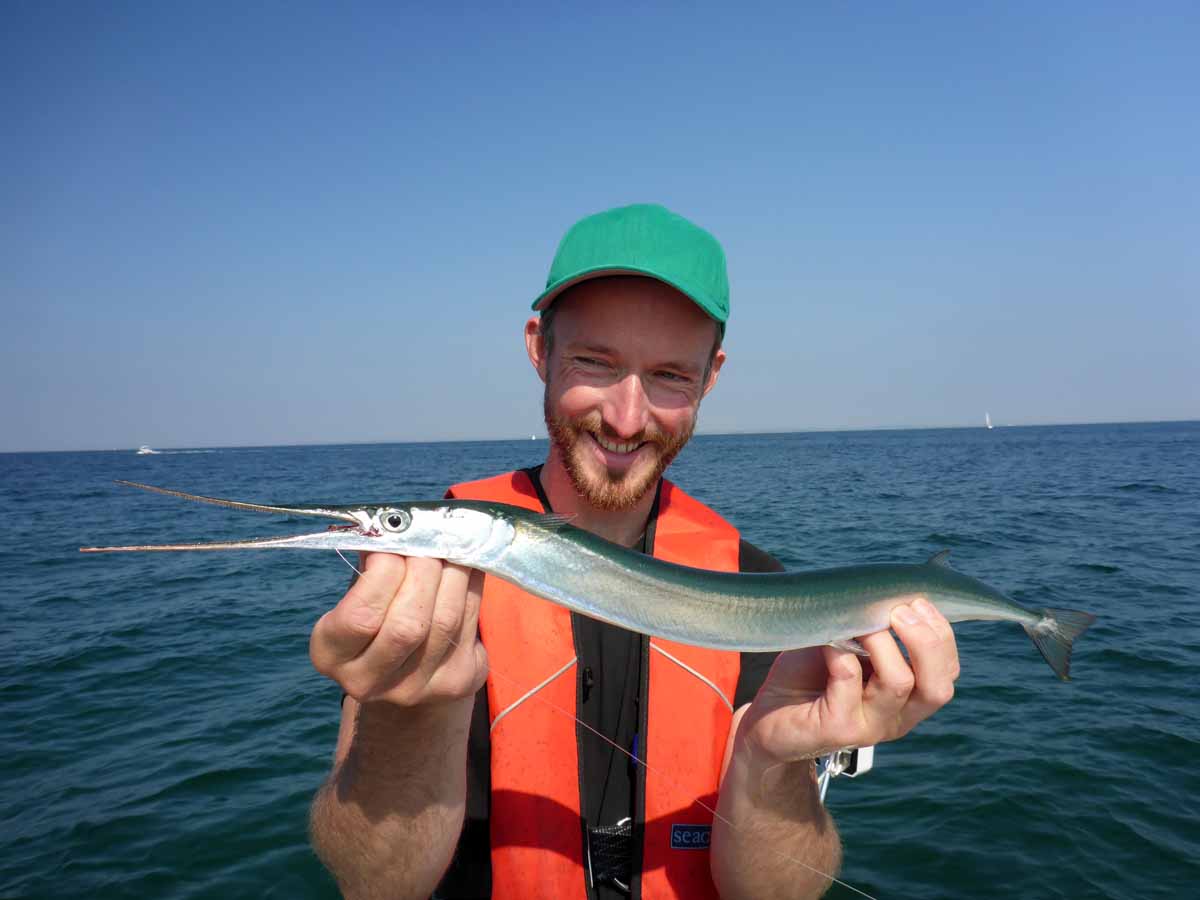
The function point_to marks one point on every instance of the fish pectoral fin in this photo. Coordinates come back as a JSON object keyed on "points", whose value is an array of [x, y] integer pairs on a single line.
{"points": [[852, 645], [553, 521]]}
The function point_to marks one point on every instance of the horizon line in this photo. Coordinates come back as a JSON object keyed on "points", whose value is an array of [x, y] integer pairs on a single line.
{"points": [[811, 429]]}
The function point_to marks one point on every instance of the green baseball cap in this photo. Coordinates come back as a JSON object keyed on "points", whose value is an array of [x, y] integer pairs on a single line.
{"points": [[643, 239]]}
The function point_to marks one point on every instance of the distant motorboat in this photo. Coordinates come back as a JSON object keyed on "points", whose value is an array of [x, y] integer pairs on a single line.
{"points": [[145, 451], [987, 420]]}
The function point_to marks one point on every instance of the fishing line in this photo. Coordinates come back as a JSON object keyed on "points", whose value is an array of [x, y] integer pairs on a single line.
{"points": [[659, 773], [347, 562]]}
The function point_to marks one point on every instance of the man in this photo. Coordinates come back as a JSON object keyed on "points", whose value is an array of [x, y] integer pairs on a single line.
{"points": [[627, 344]]}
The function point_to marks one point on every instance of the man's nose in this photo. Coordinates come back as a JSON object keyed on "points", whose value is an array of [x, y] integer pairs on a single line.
{"points": [[628, 408]]}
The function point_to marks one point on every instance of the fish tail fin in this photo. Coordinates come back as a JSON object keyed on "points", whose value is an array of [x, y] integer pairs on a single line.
{"points": [[1055, 634]]}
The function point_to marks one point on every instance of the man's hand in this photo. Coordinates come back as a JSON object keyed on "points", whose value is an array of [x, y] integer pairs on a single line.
{"points": [[403, 645], [819, 700], [815, 701], [405, 633]]}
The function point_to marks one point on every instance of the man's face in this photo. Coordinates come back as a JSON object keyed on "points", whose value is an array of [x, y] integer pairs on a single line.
{"points": [[624, 380]]}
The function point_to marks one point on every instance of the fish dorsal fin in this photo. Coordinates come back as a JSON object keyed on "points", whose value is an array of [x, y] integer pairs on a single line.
{"points": [[941, 558]]}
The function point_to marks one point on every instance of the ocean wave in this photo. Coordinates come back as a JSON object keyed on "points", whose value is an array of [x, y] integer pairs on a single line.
{"points": [[1144, 659], [213, 781], [949, 539], [1173, 590], [93, 493]]}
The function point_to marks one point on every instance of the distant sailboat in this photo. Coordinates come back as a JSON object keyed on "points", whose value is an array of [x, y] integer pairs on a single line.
{"points": [[987, 420]]}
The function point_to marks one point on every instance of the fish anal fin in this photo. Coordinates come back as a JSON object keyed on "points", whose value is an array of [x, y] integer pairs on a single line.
{"points": [[852, 645]]}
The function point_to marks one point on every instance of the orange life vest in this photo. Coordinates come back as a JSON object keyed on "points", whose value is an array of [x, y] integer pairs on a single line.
{"points": [[538, 837]]}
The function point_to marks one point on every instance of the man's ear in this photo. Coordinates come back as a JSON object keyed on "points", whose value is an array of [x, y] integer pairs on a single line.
{"points": [[535, 346], [714, 371]]}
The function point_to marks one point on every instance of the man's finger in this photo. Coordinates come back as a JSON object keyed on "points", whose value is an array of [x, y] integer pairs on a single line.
{"points": [[887, 691], [843, 719], [348, 629], [470, 627], [468, 635], [403, 631], [463, 670], [942, 627], [445, 627], [934, 656]]}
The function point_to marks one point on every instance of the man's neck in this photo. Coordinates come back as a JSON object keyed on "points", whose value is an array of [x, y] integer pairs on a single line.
{"points": [[625, 527]]}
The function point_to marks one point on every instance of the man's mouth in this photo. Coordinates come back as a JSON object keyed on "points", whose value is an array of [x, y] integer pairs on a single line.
{"points": [[613, 446]]}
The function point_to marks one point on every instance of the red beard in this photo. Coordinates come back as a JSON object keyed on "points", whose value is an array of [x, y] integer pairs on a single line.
{"points": [[604, 490]]}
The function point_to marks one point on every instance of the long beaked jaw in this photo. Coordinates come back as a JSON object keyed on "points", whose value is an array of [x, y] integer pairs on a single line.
{"points": [[354, 516], [357, 535], [433, 529], [338, 537]]}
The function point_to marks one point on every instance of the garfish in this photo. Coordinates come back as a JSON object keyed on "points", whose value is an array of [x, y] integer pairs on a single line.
{"points": [[548, 557]]}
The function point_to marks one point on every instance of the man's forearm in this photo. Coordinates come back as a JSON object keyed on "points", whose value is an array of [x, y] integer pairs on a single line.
{"points": [[387, 821], [782, 841]]}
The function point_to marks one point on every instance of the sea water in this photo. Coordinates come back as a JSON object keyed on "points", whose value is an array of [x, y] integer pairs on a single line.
{"points": [[163, 731]]}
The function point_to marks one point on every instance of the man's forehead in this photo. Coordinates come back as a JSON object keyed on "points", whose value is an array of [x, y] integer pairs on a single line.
{"points": [[629, 300]]}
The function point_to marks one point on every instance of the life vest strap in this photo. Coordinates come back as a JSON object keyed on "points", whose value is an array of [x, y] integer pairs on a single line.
{"points": [[504, 712], [679, 662]]}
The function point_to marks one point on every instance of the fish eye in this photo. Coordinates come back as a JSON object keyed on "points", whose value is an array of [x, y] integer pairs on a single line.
{"points": [[395, 519]]}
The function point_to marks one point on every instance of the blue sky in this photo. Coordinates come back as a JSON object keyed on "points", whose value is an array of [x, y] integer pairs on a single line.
{"points": [[307, 222]]}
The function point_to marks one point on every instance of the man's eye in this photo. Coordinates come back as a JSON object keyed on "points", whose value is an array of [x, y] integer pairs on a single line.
{"points": [[673, 376]]}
